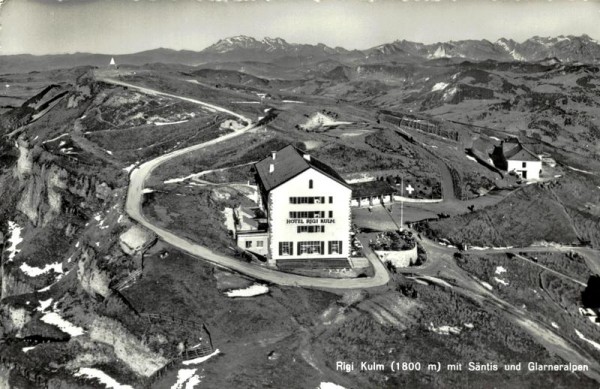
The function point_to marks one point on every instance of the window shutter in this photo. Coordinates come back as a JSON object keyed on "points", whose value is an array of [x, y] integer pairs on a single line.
{"points": [[322, 248], [340, 247], [291, 248], [280, 248]]}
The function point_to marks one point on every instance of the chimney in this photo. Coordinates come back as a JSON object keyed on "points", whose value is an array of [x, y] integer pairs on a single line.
{"points": [[307, 157], [271, 168], [273, 154]]}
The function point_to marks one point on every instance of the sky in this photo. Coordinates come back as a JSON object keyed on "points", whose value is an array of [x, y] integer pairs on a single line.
{"points": [[128, 26]]}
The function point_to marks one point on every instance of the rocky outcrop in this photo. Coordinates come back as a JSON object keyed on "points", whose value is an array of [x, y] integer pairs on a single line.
{"points": [[12, 285], [4, 378], [41, 200], [136, 239], [14, 319], [25, 161], [49, 189], [92, 279], [137, 356]]}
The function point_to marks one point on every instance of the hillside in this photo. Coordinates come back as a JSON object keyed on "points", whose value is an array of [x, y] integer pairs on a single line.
{"points": [[83, 286], [560, 212]]}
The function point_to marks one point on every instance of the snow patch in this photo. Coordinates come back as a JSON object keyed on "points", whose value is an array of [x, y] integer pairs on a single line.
{"points": [[595, 344], [44, 304], [253, 290], [201, 359], [450, 93], [101, 376], [471, 158], [192, 382], [147, 190], [500, 270], [501, 281], [469, 325], [555, 325], [444, 330], [55, 319], [486, 285], [579, 170], [439, 86], [330, 385], [167, 123], [53, 139], [37, 271], [129, 168], [15, 238], [183, 375], [26, 349]]}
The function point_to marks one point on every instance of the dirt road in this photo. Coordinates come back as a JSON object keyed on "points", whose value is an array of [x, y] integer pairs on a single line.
{"points": [[133, 206]]}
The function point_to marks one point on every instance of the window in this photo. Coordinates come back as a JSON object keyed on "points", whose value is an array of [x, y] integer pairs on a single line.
{"points": [[286, 248], [524, 164], [310, 184], [260, 243], [248, 244], [330, 199], [313, 247], [307, 200], [307, 214], [335, 247], [330, 214], [311, 229]]}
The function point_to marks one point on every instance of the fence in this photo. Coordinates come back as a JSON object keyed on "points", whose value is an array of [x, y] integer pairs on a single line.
{"points": [[128, 281]]}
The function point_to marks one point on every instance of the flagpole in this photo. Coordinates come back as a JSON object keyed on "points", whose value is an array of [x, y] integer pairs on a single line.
{"points": [[401, 204]]}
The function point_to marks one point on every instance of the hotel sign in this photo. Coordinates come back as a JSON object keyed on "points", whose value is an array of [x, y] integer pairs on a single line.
{"points": [[310, 221]]}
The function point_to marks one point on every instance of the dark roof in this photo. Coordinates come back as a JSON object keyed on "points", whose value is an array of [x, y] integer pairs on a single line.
{"points": [[509, 146], [371, 189], [520, 153], [288, 163]]}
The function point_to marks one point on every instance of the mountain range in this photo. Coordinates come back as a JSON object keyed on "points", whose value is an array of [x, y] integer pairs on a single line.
{"points": [[570, 49]]}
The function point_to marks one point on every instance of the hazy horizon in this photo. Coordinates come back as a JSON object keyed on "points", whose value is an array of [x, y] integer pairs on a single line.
{"points": [[121, 27]]}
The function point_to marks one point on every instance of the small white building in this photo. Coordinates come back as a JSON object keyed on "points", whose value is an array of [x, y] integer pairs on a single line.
{"points": [[525, 163], [251, 230], [517, 158], [307, 206]]}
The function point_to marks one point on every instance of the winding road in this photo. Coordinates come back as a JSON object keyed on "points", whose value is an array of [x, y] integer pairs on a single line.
{"points": [[440, 262], [133, 207]]}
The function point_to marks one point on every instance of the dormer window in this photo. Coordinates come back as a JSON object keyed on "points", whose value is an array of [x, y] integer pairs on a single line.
{"points": [[310, 184]]}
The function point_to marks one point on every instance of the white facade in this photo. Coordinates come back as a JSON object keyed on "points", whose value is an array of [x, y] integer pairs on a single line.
{"points": [[309, 217], [255, 242], [529, 170]]}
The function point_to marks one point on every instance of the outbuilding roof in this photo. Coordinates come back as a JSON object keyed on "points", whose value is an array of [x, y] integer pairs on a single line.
{"points": [[520, 153], [372, 189], [288, 163]]}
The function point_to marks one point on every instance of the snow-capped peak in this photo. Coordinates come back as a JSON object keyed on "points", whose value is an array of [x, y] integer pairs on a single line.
{"points": [[440, 52]]}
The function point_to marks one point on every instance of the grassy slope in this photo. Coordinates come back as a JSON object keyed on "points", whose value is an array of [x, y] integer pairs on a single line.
{"points": [[529, 215]]}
